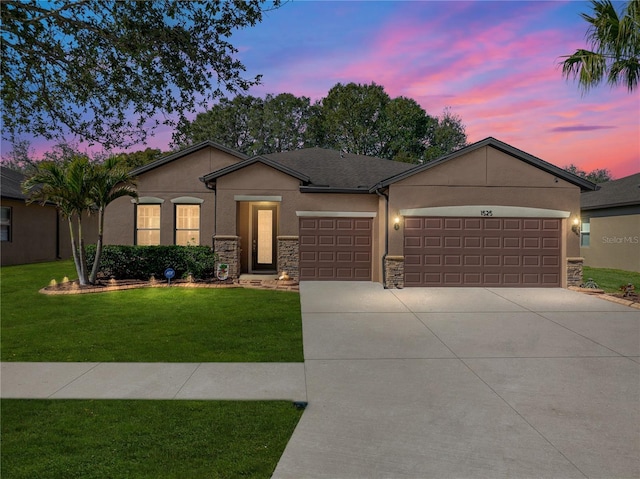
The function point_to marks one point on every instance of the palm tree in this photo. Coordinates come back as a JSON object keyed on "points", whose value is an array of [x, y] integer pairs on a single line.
{"points": [[615, 48], [110, 181], [66, 185]]}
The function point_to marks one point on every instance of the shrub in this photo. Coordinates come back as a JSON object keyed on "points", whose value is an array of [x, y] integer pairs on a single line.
{"points": [[140, 262]]}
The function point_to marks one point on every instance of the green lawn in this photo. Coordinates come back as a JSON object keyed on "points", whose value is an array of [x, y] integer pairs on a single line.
{"points": [[610, 280], [144, 325], [143, 439]]}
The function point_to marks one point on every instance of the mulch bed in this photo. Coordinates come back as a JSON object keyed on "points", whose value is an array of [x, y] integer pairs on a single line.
{"points": [[633, 297], [102, 286]]}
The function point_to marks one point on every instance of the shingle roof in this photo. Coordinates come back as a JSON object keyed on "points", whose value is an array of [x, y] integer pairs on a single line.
{"points": [[10, 183], [333, 169], [622, 192]]}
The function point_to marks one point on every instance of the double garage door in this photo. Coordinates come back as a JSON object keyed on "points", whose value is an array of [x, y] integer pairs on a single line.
{"points": [[449, 251], [337, 249], [439, 251]]}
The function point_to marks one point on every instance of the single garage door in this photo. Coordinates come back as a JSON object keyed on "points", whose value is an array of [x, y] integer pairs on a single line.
{"points": [[447, 251], [335, 249]]}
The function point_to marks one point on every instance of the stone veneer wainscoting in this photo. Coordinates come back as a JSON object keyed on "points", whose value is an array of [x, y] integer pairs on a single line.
{"points": [[228, 250], [574, 271], [394, 272], [288, 260]]}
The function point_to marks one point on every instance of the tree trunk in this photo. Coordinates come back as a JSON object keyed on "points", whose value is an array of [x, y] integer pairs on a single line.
{"points": [[96, 259], [82, 255], [74, 249]]}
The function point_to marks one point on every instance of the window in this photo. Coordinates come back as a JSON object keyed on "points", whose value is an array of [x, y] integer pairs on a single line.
{"points": [[585, 233], [187, 225], [5, 223], [148, 225]]}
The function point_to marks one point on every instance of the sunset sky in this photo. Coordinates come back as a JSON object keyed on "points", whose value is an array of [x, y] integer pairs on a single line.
{"points": [[495, 63]]}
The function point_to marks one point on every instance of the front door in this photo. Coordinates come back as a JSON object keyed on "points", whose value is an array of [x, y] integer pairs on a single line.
{"points": [[263, 238]]}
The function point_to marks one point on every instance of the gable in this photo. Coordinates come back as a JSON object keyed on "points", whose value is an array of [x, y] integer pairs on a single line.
{"points": [[485, 166], [491, 162], [258, 177], [183, 173]]}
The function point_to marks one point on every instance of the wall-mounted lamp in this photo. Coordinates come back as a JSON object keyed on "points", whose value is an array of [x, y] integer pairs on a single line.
{"points": [[396, 223], [575, 227]]}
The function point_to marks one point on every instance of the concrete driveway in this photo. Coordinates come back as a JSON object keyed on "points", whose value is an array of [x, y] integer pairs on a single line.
{"points": [[466, 383]]}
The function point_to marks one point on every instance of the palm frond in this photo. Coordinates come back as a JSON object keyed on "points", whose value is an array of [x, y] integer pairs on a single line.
{"points": [[615, 48]]}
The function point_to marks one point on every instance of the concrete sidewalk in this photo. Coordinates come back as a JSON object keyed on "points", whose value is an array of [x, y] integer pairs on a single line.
{"points": [[241, 381], [466, 383]]}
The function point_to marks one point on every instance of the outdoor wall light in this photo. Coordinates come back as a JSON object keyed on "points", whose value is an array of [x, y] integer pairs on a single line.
{"points": [[575, 227], [396, 223]]}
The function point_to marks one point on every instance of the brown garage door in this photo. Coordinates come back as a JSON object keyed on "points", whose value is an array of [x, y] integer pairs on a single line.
{"points": [[335, 249], [518, 252]]}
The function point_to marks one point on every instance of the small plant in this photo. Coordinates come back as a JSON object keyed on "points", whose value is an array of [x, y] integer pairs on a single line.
{"points": [[627, 290], [223, 271], [590, 284]]}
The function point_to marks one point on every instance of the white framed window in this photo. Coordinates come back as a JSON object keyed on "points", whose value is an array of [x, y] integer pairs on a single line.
{"points": [[5, 223], [187, 225], [148, 225], [585, 233]]}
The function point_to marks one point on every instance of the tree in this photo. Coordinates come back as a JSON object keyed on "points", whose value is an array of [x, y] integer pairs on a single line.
{"points": [[66, 185], [109, 181], [599, 175], [406, 126], [253, 125], [352, 117], [20, 157], [358, 118], [285, 119], [447, 134], [363, 119], [79, 187], [104, 69], [615, 48], [139, 158], [231, 123]]}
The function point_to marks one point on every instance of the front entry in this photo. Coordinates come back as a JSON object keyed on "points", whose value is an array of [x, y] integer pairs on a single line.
{"points": [[264, 224]]}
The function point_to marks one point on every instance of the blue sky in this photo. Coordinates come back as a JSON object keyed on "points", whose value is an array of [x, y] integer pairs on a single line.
{"points": [[494, 63]]}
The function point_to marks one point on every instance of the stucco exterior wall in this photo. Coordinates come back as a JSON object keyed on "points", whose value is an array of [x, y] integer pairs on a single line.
{"points": [[170, 181], [259, 180], [33, 236], [38, 235], [614, 243], [485, 177]]}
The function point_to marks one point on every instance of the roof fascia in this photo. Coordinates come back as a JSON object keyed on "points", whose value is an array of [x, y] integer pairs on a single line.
{"points": [[179, 154], [13, 197], [248, 162], [610, 205], [584, 185], [330, 189]]}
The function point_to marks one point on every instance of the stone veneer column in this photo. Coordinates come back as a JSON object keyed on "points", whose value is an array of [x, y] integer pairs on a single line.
{"points": [[288, 256], [228, 250], [394, 272], [574, 271]]}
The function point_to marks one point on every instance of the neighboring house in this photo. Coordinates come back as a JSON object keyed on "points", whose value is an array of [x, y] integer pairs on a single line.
{"points": [[32, 233], [486, 215], [611, 225]]}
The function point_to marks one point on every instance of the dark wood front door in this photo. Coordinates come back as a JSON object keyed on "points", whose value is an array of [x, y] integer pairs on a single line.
{"points": [[263, 238]]}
